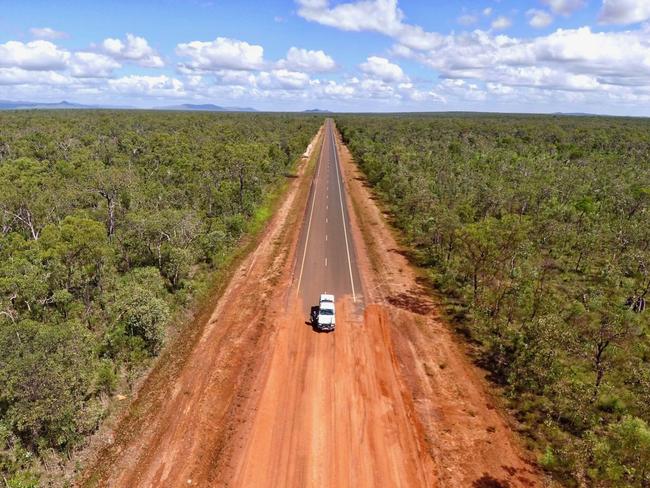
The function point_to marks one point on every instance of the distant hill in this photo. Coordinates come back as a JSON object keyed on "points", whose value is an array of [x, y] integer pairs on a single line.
{"points": [[576, 114], [207, 107], [317, 111], [21, 105], [25, 105]]}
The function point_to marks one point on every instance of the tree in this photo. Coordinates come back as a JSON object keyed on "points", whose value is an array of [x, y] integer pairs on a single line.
{"points": [[46, 371], [28, 191], [75, 252], [139, 313], [622, 453]]}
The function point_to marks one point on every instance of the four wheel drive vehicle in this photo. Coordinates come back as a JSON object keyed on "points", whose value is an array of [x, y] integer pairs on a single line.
{"points": [[323, 317]]}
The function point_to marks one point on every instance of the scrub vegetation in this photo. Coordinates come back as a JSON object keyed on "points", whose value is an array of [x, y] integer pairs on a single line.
{"points": [[111, 223], [536, 229]]}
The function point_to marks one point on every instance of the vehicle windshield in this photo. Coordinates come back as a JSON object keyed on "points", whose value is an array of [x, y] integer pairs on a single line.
{"points": [[326, 312]]}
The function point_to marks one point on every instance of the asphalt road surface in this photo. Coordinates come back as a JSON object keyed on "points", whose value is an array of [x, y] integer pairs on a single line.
{"points": [[332, 411], [326, 261]]}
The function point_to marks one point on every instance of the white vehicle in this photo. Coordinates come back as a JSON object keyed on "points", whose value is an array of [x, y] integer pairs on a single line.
{"points": [[326, 319]]}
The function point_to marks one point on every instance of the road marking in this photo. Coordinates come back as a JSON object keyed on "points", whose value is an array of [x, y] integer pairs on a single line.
{"points": [[311, 213], [326, 262], [345, 232], [325, 236], [325, 219]]}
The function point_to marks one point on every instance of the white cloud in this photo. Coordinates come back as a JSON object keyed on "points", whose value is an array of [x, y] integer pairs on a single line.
{"points": [[501, 23], [539, 18], [373, 15], [467, 19], [47, 33], [565, 7], [572, 65], [624, 11], [222, 53], [283, 78], [274, 79], [149, 86], [306, 60], [573, 59], [92, 65], [135, 49], [34, 55], [487, 11], [20, 76], [383, 69], [381, 16]]}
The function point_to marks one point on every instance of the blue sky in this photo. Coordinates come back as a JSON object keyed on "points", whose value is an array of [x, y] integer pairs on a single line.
{"points": [[355, 55]]}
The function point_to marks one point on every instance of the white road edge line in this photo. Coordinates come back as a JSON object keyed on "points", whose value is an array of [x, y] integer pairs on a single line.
{"points": [[345, 232], [311, 213]]}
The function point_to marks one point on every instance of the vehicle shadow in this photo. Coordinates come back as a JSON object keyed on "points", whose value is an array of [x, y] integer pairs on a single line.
{"points": [[315, 328], [312, 321]]}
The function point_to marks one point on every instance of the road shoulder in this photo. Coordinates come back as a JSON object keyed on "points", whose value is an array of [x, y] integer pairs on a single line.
{"points": [[469, 439]]}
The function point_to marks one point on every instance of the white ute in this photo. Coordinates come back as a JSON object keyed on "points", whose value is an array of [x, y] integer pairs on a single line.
{"points": [[326, 320]]}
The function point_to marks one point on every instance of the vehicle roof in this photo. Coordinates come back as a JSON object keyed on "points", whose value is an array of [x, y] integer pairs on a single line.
{"points": [[326, 298], [327, 306]]}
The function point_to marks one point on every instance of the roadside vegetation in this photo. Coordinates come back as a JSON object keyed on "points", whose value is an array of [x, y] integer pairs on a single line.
{"points": [[111, 224], [536, 229]]}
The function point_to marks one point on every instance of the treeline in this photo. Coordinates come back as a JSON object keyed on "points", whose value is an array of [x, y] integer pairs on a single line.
{"points": [[537, 230], [110, 223]]}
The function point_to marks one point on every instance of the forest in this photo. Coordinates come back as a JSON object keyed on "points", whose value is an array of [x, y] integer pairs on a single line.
{"points": [[112, 223], [534, 232]]}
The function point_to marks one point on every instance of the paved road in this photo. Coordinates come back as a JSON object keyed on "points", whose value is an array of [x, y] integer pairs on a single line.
{"points": [[326, 261], [331, 410]]}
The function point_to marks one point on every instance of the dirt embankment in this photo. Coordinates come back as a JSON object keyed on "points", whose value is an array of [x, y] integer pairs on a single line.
{"points": [[469, 440]]}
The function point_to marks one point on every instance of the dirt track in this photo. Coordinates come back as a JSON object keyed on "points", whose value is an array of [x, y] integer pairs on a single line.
{"points": [[264, 401]]}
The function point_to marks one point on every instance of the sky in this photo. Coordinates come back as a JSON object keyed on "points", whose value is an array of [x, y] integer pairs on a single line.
{"points": [[539, 56]]}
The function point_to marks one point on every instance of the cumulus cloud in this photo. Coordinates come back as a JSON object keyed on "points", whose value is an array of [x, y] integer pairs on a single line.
{"points": [[283, 78], [382, 16], [92, 65], [467, 19], [624, 11], [575, 62], [47, 33], [152, 86], [34, 55], [539, 18], [501, 23], [307, 60], [565, 7], [19, 76], [44, 56], [222, 53], [572, 59], [373, 15], [382, 69], [134, 49]]}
